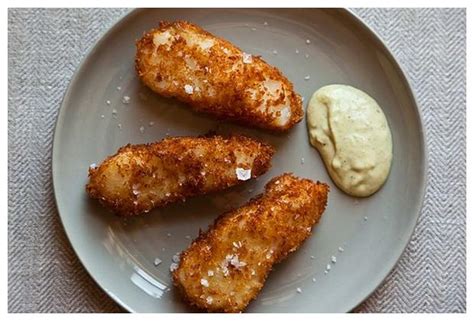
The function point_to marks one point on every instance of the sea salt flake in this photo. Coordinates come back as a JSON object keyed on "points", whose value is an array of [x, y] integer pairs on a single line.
{"points": [[333, 259], [236, 263], [175, 258], [246, 58], [204, 283], [243, 174], [299, 290], [328, 267], [157, 262], [126, 99], [188, 89], [173, 267], [340, 249], [307, 77]]}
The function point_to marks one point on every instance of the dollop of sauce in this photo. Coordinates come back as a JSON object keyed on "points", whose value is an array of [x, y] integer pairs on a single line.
{"points": [[351, 133]]}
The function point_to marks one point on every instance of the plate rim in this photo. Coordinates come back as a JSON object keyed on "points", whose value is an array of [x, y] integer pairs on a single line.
{"points": [[348, 307]]}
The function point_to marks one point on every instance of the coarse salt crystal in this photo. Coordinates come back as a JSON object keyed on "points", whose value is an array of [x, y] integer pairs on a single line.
{"points": [[102, 116], [151, 123], [340, 249], [312, 257], [126, 99], [314, 279], [275, 52], [204, 283], [308, 41], [333, 259], [108, 102], [169, 234], [157, 262], [209, 300], [246, 58], [265, 23], [306, 56], [307, 77], [328, 267], [114, 111], [93, 166], [168, 194], [365, 218], [299, 290], [119, 88], [326, 272], [302, 160], [297, 51], [188, 89], [252, 272], [210, 273], [188, 237], [254, 29], [119, 126], [142, 129], [243, 174]]}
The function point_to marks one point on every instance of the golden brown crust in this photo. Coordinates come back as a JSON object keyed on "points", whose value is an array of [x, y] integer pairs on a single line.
{"points": [[179, 53], [242, 245], [139, 178]]}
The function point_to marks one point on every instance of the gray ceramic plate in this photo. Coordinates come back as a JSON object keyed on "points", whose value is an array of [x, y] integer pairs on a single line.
{"points": [[120, 254]]}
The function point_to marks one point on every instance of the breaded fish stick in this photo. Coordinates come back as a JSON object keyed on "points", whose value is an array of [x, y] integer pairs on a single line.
{"points": [[212, 75], [139, 178], [226, 267]]}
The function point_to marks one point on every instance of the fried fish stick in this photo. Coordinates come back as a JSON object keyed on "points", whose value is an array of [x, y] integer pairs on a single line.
{"points": [[226, 267], [139, 178], [213, 76]]}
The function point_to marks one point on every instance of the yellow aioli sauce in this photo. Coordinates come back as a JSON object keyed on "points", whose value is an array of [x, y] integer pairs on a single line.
{"points": [[351, 133]]}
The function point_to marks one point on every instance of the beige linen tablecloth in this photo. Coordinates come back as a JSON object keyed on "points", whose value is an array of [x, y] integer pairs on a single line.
{"points": [[46, 46]]}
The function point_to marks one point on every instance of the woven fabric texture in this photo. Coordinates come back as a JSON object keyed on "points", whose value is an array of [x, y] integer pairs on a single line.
{"points": [[46, 46]]}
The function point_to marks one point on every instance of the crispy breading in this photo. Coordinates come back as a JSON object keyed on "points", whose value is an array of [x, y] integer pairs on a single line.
{"points": [[226, 267], [139, 178], [182, 60]]}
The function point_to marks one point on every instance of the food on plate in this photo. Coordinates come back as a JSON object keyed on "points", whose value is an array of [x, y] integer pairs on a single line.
{"points": [[226, 267], [181, 60], [351, 133], [139, 178]]}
